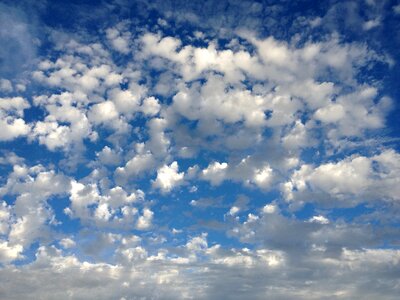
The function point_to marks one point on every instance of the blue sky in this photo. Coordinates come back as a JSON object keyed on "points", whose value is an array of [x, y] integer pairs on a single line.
{"points": [[199, 150]]}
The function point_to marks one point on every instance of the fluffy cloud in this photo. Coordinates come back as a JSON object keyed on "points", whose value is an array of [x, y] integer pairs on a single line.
{"points": [[114, 209], [215, 172], [346, 182], [168, 177], [119, 42], [12, 125]]}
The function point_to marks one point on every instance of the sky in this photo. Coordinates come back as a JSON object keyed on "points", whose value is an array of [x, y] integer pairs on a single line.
{"points": [[227, 149]]}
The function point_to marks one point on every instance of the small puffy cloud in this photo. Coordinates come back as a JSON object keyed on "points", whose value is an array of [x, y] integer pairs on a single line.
{"points": [[11, 128], [168, 177], [9, 253], [127, 101], [330, 114], [245, 258], [274, 52], [103, 112], [143, 161], [119, 42], [368, 25], [102, 212], [215, 100], [112, 208], [52, 135], [248, 171], [197, 243], [6, 86], [109, 156], [270, 209], [208, 202], [297, 137], [215, 173], [145, 220], [150, 106], [119, 197], [67, 243], [234, 210], [158, 143], [319, 219], [12, 125], [263, 177], [66, 124]]}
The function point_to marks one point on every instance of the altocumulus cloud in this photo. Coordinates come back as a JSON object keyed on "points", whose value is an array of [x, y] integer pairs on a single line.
{"points": [[177, 150]]}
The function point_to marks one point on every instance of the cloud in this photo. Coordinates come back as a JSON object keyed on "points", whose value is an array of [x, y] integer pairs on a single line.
{"points": [[168, 177], [119, 42], [6, 86], [12, 124], [9, 253], [371, 24], [346, 182], [18, 37], [396, 9], [171, 150]]}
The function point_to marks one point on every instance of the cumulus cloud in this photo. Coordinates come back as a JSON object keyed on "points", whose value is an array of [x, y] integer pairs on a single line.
{"points": [[12, 124], [168, 177], [346, 182], [119, 42], [215, 172]]}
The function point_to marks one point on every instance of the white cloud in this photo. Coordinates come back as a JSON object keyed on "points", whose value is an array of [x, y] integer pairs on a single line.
{"points": [[330, 114], [234, 210], [67, 243], [52, 135], [12, 125], [215, 173], [11, 128], [263, 177], [118, 42], [158, 142], [270, 209], [150, 106], [6, 86], [348, 181], [215, 100], [319, 219], [168, 177], [103, 112], [5, 215], [97, 205], [109, 156], [29, 217], [143, 161], [144, 221], [297, 137], [126, 101], [9, 253], [368, 25]]}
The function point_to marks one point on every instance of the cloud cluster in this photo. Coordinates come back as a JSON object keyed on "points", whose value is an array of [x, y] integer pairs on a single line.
{"points": [[175, 151]]}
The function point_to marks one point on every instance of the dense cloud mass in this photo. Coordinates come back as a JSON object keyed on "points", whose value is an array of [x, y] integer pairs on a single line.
{"points": [[186, 150]]}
